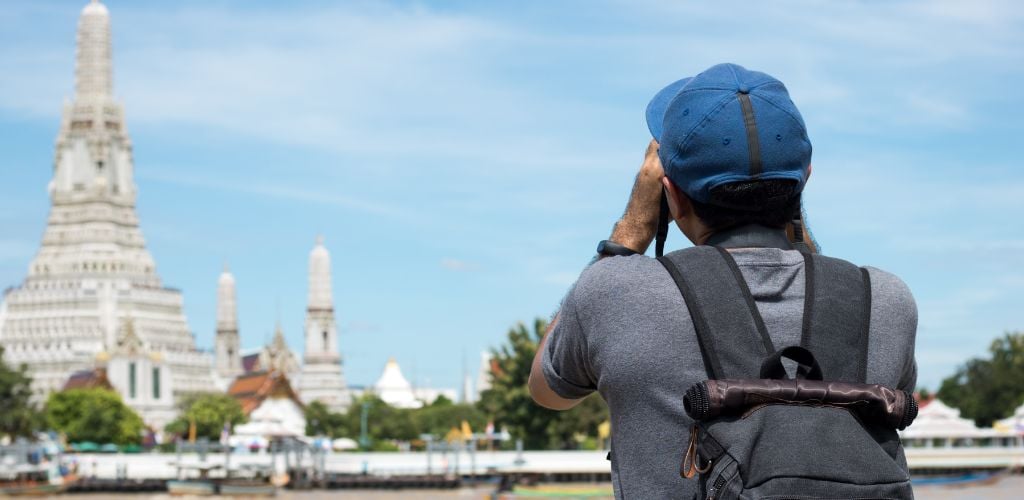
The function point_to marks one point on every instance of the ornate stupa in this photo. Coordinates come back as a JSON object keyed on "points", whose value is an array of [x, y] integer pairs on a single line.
{"points": [[93, 271], [277, 357], [228, 357], [322, 376]]}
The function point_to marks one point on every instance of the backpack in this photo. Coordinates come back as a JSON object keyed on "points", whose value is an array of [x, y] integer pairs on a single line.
{"points": [[826, 434]]}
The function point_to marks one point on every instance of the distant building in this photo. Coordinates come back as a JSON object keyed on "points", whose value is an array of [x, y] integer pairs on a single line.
{"points": [[319, 377], [488, 367], [141, 376], [92, 301], [270, 403], [394, 389], [277, 357], [322, 377], [88, 379], [93, 271], [227, 342]]}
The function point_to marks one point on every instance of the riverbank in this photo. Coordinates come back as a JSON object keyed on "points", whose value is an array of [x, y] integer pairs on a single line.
{"points": [[1006, 489]]}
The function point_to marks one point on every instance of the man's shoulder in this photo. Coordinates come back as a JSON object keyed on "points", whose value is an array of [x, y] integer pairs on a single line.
{"points": [[890, 295], [886, 287], [617, 274]]}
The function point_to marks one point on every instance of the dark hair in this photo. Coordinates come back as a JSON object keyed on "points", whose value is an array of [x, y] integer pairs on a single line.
{"points": [[771, 202]]}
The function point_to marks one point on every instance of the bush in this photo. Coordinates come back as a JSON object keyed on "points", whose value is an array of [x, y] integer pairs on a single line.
{"points": [[96, 415]]}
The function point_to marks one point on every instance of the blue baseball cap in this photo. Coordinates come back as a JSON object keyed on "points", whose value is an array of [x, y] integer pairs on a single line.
{"points": [[728, 124]]}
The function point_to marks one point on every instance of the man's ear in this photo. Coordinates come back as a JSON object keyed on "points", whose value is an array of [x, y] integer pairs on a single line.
{"points": [[678, 203]]}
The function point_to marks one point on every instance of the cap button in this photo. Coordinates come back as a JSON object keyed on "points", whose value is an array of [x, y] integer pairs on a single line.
{"points": [[744, 89]]}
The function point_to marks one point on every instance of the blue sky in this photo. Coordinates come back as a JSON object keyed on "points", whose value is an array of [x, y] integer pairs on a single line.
{"points": [[462, 159]]}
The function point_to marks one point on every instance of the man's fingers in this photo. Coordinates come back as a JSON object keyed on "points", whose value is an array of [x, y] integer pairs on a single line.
{"points": [[652, 147]]}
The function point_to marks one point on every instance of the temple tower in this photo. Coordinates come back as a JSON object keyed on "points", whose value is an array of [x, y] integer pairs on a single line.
{"points": [[229, 361], [93, 270], [322, 376]]}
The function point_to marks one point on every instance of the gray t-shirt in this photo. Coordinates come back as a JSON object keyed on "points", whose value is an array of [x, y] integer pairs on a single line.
{"points": [[625, 332]]}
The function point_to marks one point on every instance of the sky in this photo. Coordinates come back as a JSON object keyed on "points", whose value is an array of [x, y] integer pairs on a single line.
{"points": [[463, 159]]}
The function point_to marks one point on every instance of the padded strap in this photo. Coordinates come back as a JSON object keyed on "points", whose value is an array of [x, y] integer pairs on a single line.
{"points": [[837, 317], [730, 331]]}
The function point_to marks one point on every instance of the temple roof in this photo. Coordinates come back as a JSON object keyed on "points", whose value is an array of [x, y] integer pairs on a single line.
{"points": [[251, 389], [88, 379]]}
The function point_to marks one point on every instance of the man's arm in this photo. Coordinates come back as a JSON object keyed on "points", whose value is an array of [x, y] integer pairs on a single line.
{"points": [[635, 230], [540, 391]]}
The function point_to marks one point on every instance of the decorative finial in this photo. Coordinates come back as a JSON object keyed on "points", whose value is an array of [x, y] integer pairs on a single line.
{"points": [[320, 239], [226, 270]]}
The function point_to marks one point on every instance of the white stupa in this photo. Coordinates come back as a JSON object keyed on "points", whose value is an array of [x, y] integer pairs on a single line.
{"points": [[393, 388], [93, 271]]}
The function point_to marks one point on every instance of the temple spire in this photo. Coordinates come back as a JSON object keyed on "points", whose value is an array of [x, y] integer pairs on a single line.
{"points": [[93, 67], [322, 377], [320, 296], [227, 312], [228, 355]]}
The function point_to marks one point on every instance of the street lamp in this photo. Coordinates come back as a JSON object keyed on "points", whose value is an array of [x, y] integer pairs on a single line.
{"points": [[364, 438]]}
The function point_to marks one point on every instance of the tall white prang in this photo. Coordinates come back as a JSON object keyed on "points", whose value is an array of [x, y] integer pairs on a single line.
{"points": [[322, 376], [228, 358], [93, 273]]}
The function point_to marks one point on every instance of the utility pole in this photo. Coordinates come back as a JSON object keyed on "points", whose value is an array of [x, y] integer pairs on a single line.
{"points": [[364, 438]]}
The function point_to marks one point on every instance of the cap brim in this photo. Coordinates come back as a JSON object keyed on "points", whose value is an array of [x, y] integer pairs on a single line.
{"points": [[656, 108]]}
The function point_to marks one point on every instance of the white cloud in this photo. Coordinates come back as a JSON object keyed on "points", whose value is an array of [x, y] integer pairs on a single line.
{"points": [[278, 191], [458, 265]]}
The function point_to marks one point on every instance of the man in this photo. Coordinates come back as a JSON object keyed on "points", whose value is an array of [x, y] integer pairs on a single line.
{"points": [[736, 158]]}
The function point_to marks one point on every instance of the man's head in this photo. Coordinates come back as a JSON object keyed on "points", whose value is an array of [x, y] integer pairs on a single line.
{"points": [[734, 148]]}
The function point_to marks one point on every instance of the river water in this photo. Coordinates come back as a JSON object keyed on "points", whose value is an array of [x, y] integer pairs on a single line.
{"points": [[1006, 489]]}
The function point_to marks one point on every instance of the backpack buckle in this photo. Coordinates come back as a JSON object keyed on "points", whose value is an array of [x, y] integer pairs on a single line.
{"points": [[691, 459]]}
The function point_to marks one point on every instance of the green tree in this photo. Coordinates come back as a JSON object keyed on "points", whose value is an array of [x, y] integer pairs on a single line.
{"points": [[18, 416], [383, 421], [209, 411], [509, 403], [96, 415], [440, 416], [989, 389], [321, 421]]}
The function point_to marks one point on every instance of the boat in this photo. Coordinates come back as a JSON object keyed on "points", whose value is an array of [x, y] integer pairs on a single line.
{"points": [[192, 487]]}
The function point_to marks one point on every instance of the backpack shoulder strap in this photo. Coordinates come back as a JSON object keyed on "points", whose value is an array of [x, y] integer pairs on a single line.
{"points": [[730, 331], [837, 317]]}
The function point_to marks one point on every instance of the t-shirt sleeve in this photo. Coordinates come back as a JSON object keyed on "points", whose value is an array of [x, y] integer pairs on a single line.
{"points": [[894, 319], [565, 362]]}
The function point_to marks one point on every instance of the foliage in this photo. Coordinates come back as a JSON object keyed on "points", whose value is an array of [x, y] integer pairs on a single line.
{"points": [[509, 403], [440, 416], [96, 415], [321, 421], [383, 421], [989, 389], [209, 411], [18, 416], [386, 423]]}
